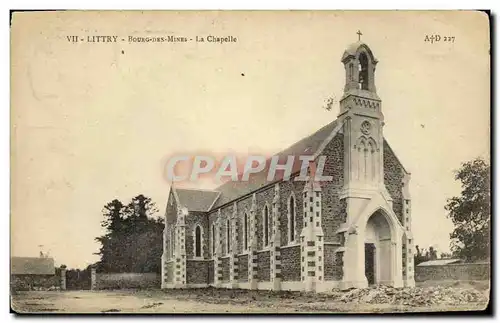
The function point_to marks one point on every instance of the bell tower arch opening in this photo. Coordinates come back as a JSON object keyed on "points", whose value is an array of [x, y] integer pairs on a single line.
{"points": [[363, 72], [359, 64]]}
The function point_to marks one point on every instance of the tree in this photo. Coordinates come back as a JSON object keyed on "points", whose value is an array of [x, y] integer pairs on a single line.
{"points": [[470, 212], [133, 241]]}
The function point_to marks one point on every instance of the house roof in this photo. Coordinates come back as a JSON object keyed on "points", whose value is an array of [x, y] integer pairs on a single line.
{"points": [[196, 200], [438, 262], [309, 145], [32, 266]]}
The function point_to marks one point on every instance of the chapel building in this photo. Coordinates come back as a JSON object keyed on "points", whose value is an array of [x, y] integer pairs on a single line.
{"points": [[353, 231]]}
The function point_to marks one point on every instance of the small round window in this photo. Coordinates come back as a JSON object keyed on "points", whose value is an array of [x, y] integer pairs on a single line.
{"points": [[366, 127]]}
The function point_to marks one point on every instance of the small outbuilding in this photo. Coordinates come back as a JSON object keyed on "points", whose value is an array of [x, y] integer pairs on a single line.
{"points": [[33, 273]]}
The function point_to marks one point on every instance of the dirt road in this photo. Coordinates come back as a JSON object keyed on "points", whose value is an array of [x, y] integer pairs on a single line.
{"points": [[229, 301]]}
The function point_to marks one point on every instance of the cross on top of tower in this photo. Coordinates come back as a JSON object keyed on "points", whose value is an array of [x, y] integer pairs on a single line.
{"points": [[359, 35]]}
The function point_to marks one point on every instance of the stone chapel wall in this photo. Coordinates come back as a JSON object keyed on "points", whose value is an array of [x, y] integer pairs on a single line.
{"points": [[393, 179], [333, 208], [192, 220]]}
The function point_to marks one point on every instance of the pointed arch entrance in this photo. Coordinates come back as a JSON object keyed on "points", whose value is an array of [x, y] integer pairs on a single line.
{"points": [[378, 249]]}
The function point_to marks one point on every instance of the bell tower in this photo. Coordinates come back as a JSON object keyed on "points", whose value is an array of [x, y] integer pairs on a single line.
{"points": [[364, 190], [361, 108]]}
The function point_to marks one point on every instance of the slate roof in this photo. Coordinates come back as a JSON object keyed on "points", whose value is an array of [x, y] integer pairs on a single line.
{"points": [[206, 200], [196, 200], [232, 190], [438, 262], [31, 266]]}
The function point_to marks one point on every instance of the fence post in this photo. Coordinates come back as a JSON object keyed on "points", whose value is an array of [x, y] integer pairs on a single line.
{"points": [[93, 283], [63, 277]]}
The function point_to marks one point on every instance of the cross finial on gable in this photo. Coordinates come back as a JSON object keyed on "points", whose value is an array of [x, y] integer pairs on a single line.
{"points": [[359, 35]]}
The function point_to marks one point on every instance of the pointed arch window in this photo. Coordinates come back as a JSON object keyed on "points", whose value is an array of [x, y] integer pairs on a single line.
{"points": [[291, 219], [228, 237], [266, 226], [169, 237], [245, 232], [173, 241], [213, 239], [197, 241]]}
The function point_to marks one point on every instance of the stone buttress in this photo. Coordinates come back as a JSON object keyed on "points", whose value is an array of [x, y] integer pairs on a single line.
{"points": [[180, 249], [233, 257], [275, 252], [311, 237], [252, 252], [218, 251]]}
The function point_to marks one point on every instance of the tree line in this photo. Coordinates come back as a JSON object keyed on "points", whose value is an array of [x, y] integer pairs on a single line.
{"points": [[133, 240]]}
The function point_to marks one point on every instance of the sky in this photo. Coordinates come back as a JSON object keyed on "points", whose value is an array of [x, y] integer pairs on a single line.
{"points": [[91, 122]]}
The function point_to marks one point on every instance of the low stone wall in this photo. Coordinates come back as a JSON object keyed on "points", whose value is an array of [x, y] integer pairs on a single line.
{"points": [[478, 271], [34, 282], [127, 280]]}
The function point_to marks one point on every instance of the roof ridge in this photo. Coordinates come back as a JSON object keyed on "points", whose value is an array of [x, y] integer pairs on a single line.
{"points": [[309, 145], [311, 134], [198, 189], [213, 203]]}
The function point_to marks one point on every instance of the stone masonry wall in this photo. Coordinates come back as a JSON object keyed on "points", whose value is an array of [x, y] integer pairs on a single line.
{"points": [[210, 271], [333, 209], [192, 220], [286, 189], [226, 214], [127, 280], [329, 255], [393, 179], [197, 272], [243, 207], [290, 263], [338, 273], [262, 198], [243, 268], [30, 282], [225, 269], [333, 215], [264, 266], [453, 272]]}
